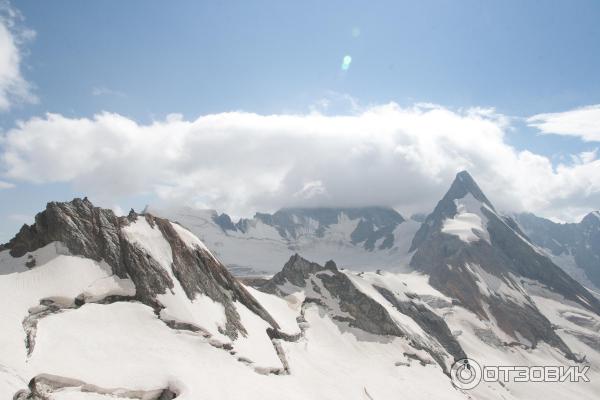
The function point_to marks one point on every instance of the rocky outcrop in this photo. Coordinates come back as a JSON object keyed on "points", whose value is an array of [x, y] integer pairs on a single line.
{"points": [[43, 386], [86, 230], [199, 272], [429, 321], [96, 233], [334, 291], [366, 313], [357, 309]]}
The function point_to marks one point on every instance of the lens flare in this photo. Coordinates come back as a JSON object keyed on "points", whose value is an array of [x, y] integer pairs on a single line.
{"points": [[346, 62]]}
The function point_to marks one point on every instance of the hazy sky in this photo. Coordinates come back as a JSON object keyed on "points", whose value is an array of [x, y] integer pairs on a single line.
{"points": [[249, 106]]}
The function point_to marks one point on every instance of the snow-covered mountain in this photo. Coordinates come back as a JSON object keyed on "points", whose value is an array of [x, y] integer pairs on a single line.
{"points": [[574, 247], [481, 258], [367, 238], [101, 307]]}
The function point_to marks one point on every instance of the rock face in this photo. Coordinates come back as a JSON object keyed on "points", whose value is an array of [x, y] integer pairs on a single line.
{"points": [[481, 258], [86, 230], [428, 320], [335, 292], [573, 247], [97, 234], [363, 312]]}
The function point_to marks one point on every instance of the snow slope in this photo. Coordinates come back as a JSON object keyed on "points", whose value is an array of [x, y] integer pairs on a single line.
{"points": [[151, 314], [72, 329], [469, 223]]}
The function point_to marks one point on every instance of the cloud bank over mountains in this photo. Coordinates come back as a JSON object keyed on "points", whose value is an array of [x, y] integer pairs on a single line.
{"points": [[241, 162]]}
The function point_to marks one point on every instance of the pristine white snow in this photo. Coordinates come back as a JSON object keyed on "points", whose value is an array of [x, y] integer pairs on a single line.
{"points": [[41, 256], [139, 352], [283, 310], [60, 277], [110, 286], [469, 223]]}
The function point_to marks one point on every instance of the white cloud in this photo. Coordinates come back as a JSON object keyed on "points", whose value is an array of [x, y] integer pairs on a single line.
{"points": [[13, 87], [581, 122], [6, 185], [243, 162]]}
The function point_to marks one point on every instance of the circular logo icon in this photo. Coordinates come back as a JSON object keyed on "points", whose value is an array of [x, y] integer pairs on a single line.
{"points": [[465, 374]]}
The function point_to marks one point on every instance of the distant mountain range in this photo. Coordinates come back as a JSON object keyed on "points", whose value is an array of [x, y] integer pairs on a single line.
{"points": [[366, 238], [369, 238]]}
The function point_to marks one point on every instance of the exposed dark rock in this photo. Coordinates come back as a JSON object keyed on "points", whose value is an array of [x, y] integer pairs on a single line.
{"points": [[419, 217], [296, 271], [368, 233], [277, 334], [446, 258], [224, 221], [365, 313], [31, 262], [591, 340], [524, 261], [86, 230], [97, 234], [43, 386], [528, 322], [429, 321], [30, 322], [580, 240], [198, 272], [186, 326], [581, 320]]}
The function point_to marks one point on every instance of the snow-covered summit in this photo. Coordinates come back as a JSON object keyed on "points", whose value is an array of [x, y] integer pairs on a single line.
{"points": [[483, 259]]}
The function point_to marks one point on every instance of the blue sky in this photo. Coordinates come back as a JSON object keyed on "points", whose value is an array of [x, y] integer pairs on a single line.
{"points": [[144, 60]]}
